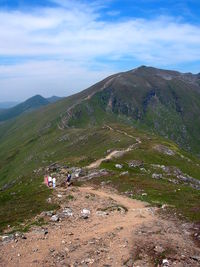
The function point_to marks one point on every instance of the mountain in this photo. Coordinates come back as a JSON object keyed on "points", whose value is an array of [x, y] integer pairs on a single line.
{"points": [[5, 105], [135, 115], [164, 102], [29, 105], [53, 99]]}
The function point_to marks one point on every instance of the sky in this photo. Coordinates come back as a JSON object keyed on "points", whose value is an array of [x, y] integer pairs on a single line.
{"points": [[60, 47]]}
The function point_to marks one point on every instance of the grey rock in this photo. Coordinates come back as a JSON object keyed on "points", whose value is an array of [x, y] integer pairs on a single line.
{"points": [[157, 176], [7, 238], [196, 258], [67, 212], [102, 213], [164, 149], [55, 218], [135, 163]]}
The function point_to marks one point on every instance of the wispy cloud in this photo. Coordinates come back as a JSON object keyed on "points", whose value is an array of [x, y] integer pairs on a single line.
{"points": [[75, 34]]}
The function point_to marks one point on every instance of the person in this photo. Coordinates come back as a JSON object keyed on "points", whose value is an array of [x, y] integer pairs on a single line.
{"points": [[46, 180], [54, 182], [68, 178], [50, 181]]}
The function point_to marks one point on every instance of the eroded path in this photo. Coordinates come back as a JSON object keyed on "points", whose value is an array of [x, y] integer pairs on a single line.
{"points": [[119, 232], [116, 153]]}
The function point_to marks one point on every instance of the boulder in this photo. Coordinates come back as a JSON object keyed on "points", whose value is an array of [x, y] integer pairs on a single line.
{"points": [[157, 176], [164, 150], [135, 163], [67, 212], [102, 213], [165, 263], [7, 238], [118, 166], [55, 218], [85, 213]]}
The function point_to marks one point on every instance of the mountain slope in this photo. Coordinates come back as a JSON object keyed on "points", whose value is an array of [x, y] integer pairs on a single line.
{"points": [[74, 132], [165, 102], [53, 99], [27, 106]]}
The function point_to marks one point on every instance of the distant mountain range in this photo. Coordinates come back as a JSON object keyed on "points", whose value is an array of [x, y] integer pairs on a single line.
{"points": [[29, 105]]}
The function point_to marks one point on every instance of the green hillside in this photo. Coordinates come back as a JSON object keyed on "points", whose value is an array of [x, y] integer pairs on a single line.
{"points": [[164, 102], [27, 106], [74, 131]]}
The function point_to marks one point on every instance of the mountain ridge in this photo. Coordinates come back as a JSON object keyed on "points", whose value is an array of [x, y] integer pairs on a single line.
{"points": [[150, 92], [28, 105]]}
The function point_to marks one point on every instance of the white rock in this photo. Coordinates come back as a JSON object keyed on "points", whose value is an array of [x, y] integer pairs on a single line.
{"points": [[67, 212], [165, 263], [85, 213], [118, 166], [102, 213], [55, 218]]}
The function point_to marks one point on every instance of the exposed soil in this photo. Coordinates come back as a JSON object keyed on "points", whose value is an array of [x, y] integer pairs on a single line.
{"points": [[115, 153], [118, 232]]}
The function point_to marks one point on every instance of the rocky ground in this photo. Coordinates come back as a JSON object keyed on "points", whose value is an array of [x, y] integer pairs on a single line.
{"points": [[99, 227]]}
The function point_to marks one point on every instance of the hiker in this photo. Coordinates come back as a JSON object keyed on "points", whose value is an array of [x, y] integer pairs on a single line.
{"points": [[68, 178], [54, 182], [50, 181], [46, 180]]}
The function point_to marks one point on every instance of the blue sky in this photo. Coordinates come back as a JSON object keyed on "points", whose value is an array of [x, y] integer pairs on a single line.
{"points": [[63, 46]]}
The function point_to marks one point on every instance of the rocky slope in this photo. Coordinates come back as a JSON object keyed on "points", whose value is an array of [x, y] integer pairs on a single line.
{"points": [[115, 231], [164, 102]]}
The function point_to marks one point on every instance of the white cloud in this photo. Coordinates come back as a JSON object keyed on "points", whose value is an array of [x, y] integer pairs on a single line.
{"points": [[47, 78], [75, 33]]}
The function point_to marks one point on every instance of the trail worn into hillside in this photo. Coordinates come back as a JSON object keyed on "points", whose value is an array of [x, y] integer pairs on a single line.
{"points": [[119, 231], [115, 153]]}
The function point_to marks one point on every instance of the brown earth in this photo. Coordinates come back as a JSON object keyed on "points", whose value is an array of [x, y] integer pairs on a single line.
{"points": [[119, 232]]}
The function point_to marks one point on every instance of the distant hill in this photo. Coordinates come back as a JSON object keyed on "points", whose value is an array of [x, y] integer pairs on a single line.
{"points": [[29, 105]]}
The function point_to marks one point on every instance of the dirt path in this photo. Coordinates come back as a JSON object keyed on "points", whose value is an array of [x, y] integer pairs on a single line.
{"points": [[115, 153], [119, 232]]}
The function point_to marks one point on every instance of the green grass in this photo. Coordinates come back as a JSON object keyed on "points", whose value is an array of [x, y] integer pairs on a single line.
{"points": [[23, 201], [27, 197], [36, 140]]}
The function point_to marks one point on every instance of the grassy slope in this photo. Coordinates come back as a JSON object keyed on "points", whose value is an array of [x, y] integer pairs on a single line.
{"points": [[35, 140], [31, 104], [79, 148]]}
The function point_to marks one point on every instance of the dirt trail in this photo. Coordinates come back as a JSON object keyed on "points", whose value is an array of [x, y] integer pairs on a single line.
{"points": [[115, 153], [119, 232]]}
